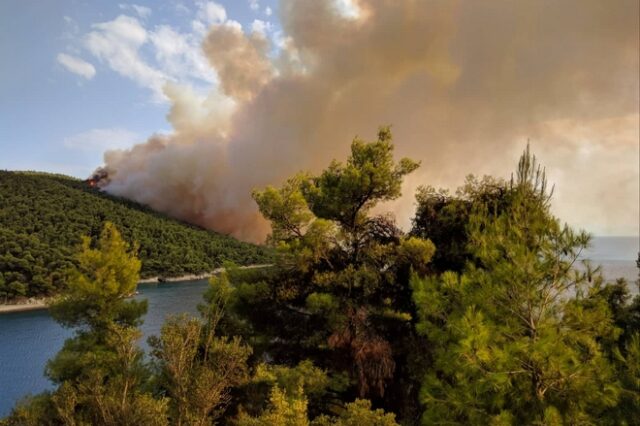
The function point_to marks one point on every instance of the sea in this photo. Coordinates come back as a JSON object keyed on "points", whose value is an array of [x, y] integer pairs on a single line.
{"points": [[29, 339]]}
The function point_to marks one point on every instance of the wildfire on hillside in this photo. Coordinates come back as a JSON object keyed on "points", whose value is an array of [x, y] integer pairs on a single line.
{"points": [[98, 179]]}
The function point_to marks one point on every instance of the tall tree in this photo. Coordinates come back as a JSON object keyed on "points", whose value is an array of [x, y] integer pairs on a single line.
{"points": [[197, 368], [339, 292], [96, 303], [443, 217], [100, 371], [515, 339]]}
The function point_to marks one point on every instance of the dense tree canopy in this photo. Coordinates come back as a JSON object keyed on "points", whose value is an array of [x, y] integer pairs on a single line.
{"points": [[358, 323], [517, 334], [339, 293], [443, 218], [42, 217], [100, 371]]}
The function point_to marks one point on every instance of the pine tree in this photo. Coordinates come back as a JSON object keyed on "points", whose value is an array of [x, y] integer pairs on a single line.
{"points": [[339, 293], [516, 337], [197, 368], [100, 371], [96, 303]]}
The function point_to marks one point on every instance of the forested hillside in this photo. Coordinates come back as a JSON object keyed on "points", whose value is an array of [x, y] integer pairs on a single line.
{"points": [[43, 216]]}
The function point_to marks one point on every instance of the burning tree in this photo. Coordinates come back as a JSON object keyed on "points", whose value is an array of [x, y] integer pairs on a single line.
{"points": [[99, 178]]}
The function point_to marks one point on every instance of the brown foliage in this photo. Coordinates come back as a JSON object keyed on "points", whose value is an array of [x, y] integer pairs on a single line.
{"points": [[371, 354]]}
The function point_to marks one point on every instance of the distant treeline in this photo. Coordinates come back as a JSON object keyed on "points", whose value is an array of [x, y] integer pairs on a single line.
{"points": [[43, 216]]}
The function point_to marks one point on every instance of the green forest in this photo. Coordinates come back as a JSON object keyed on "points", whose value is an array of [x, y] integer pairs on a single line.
{"points": [[481, 314], [43, 216]]}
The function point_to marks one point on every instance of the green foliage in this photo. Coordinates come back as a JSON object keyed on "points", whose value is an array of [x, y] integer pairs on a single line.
{"points": [[111, 392], [32, 411], [625, 311], [284, 410], [310, 378], [100, 371], [516, 337], [358, 413], [502, 328], [624, 352], [627, 365], [287, 207], [96, 304], [443, 218], [98, 286], [339, 293], [42, 217], [194, 366], [345, 193], [196, 370], [289, 408]]}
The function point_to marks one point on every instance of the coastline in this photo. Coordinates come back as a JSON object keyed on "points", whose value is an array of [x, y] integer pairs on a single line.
{"points": [[190, 277], [27, 305], [34, 304]]}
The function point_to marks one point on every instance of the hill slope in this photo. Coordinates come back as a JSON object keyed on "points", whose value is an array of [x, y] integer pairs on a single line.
{"points": [[43, 216]]}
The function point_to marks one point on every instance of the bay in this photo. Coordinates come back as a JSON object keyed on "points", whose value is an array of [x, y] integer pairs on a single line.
{"points": [[29, 339]]}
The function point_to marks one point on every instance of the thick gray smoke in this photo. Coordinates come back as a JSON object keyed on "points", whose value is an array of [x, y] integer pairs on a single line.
{"points": [[464, 84]]}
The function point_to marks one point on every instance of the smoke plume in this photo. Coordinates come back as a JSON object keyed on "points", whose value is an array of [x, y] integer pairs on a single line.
{"points": [[464, 84]]}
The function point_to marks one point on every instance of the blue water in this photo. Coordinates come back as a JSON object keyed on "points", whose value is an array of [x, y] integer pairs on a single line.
{"points": [[617, 257], [29, 339]]}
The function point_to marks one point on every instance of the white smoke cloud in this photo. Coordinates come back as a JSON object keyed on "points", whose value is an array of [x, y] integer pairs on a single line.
{"points": [[465, 84]]}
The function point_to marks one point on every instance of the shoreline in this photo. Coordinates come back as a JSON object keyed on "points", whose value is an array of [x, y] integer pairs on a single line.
{"points": [[34, 304], [191, 277], [27, 305]]}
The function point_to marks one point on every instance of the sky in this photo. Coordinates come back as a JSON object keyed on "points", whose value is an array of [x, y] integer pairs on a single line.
{"points": [[191, 104], [79, 77]]}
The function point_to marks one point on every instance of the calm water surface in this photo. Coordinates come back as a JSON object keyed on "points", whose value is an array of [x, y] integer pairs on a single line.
{"points": [[29, 339]]}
